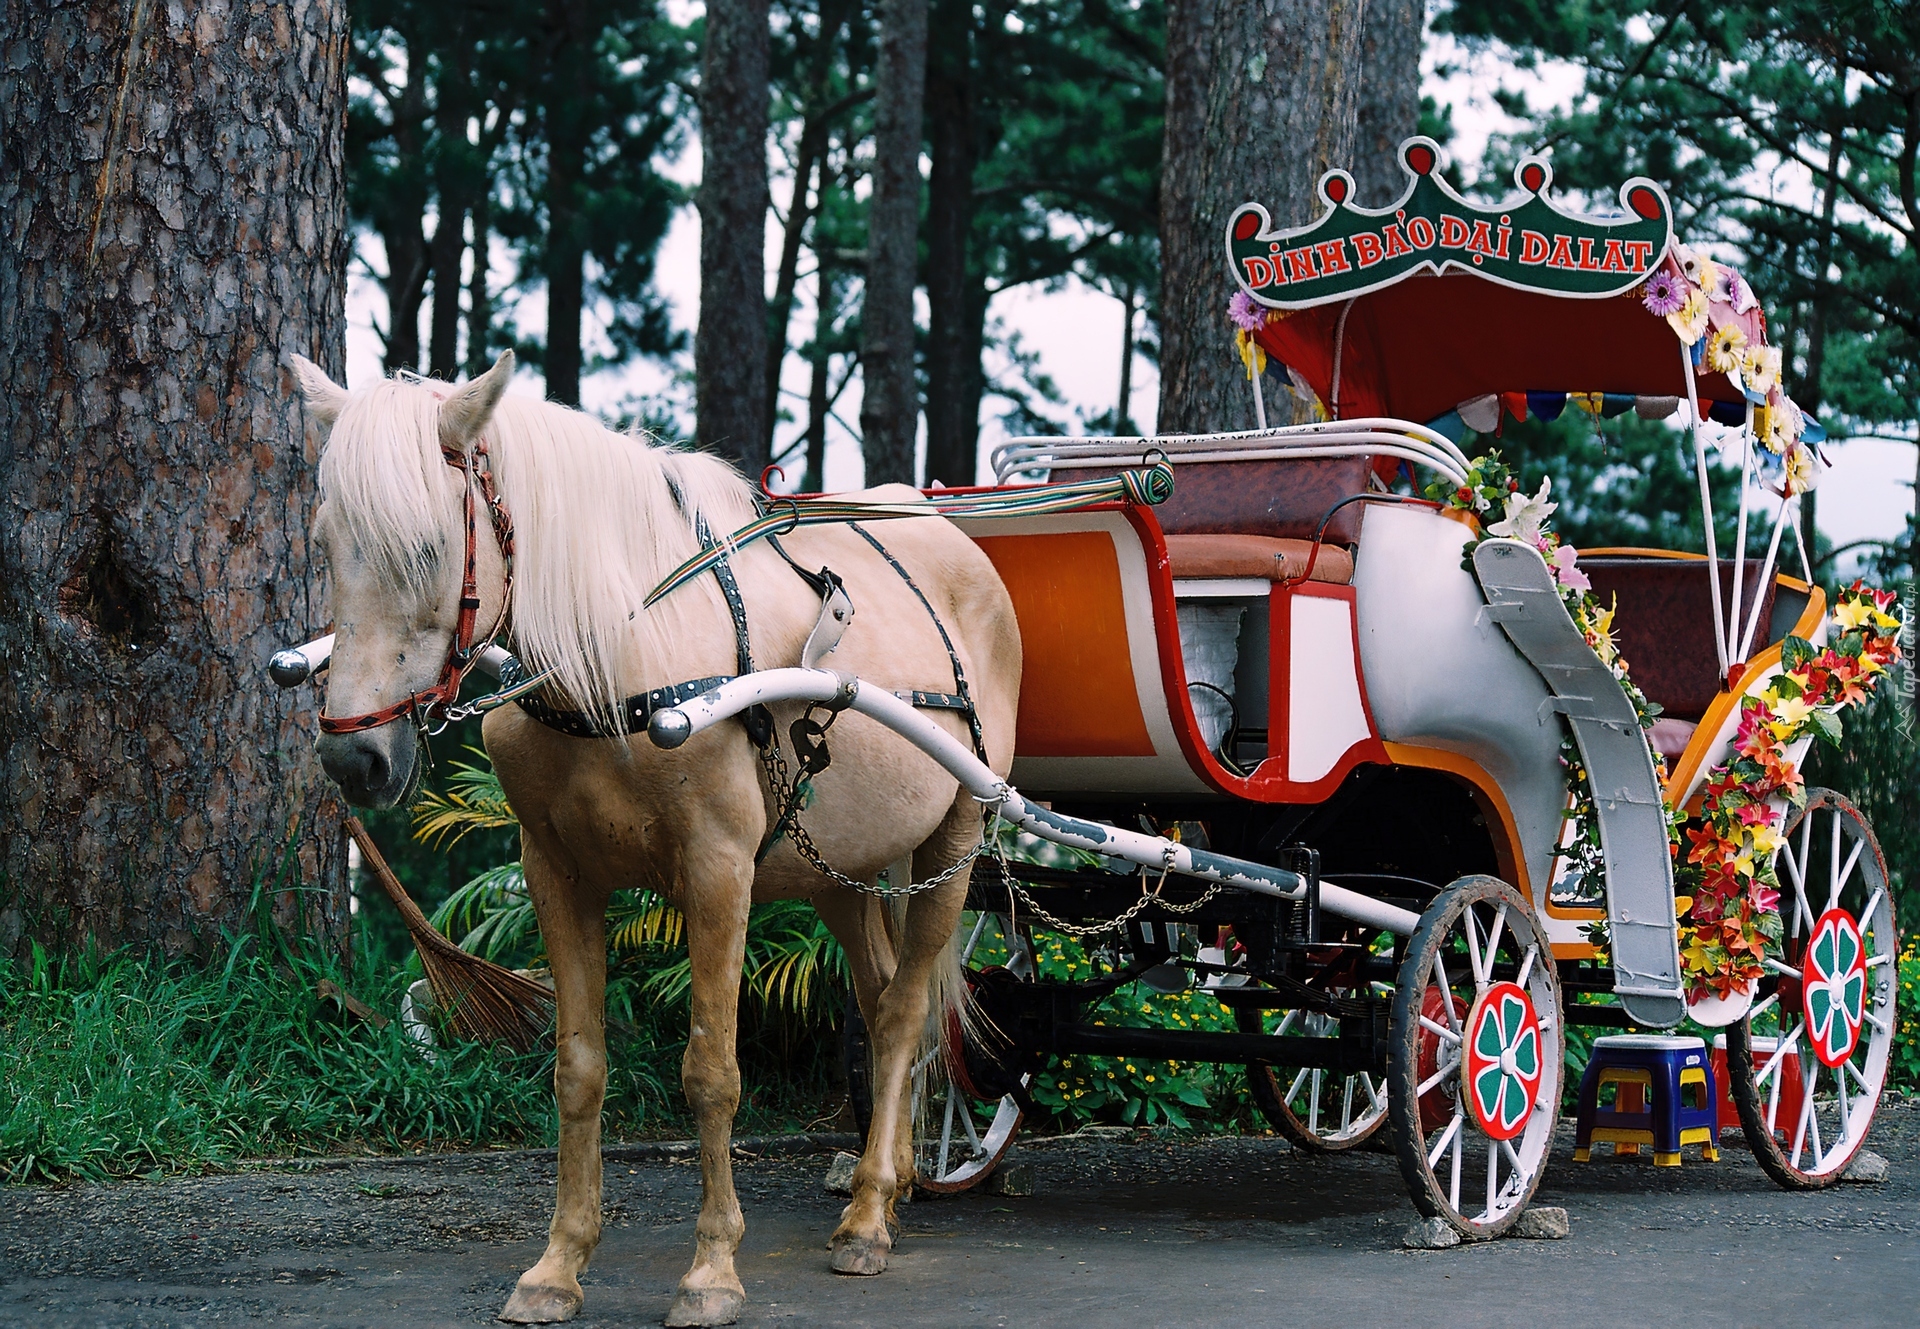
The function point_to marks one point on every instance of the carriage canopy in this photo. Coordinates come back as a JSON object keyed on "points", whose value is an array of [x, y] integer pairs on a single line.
{"points": [[1437, 305]]}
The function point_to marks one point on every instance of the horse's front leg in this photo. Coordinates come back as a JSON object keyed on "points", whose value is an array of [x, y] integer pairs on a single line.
{"points": [[715, 900], [574, 929]]}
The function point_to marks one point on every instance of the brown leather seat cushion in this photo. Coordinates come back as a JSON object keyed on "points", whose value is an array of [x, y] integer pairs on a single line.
{"points": [[1664, 626], [1256, 556], [1286, 498]]}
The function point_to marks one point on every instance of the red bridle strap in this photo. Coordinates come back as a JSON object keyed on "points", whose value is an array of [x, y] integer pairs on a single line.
{"points": [[464, 649]]}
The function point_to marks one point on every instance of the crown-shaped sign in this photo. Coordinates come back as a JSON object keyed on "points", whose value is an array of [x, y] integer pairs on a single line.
{"points": [[1525, 242]]}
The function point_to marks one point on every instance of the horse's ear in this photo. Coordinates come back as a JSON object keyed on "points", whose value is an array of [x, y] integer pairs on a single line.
{"points": [[468, 408], [324, 397]]}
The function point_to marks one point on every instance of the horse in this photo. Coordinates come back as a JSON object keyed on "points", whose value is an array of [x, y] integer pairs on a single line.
{"points": [[586, 521]]}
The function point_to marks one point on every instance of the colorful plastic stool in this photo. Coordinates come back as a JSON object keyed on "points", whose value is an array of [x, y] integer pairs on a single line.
{"points": [[1652, 1075]]}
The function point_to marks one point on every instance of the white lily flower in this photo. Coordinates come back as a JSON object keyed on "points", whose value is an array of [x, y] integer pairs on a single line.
{"points": [[1526, 514]]}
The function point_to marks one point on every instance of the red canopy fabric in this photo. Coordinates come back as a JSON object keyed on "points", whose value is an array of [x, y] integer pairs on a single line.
{"points": [[1417, 349]]}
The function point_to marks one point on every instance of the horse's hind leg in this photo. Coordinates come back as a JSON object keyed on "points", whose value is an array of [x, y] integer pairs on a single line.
{"points": [[716, 906], [575, 933], [861, 1243]]}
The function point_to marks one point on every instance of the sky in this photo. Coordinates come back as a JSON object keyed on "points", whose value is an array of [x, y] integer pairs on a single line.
{"points": [[1076, 331]]}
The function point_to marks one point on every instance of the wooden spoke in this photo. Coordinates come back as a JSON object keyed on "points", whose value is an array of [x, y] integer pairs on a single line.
{"points": [[1438, 1078], [1493, 1176], [1475, 951], [1446, 986], [1454, 1188], [1526, 967], [1493, 944], [1779, 967], [1446, 1138], [1433, 1026]]}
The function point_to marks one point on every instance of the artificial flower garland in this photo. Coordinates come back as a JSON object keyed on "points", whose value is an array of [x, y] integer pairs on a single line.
{"points": [[1735, 914]]}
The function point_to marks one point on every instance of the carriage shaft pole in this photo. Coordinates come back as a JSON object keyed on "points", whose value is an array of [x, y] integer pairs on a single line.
{"points": [[673, 726]]}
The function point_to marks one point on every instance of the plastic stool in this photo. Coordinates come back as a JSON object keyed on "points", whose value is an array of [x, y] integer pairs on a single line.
{"points": [[1651, 1074]]}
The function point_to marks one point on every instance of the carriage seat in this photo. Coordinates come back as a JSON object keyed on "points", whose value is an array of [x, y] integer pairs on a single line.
{"points": [[1262, 556], [1664, 626]]}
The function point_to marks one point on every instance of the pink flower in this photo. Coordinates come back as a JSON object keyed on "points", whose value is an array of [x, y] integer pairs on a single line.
{"points": [[1246, 312], [1765, 898], [1663, 295], [1564, 569]]}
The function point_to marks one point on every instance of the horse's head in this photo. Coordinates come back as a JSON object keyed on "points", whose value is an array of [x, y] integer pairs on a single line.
{"points": [[392, 530]]}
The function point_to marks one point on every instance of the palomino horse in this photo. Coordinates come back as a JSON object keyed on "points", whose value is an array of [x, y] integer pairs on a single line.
{"points": [[598, 518]]}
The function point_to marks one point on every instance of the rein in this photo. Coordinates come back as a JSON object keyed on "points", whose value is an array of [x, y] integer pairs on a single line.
{"points": [[464, 651]]}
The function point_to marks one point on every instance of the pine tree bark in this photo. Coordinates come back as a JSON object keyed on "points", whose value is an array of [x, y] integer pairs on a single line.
{"points": [[953, 431], [564, 264], [890, 400], [1390, 41], [1261, 99], [730, 345], [172, 222]]}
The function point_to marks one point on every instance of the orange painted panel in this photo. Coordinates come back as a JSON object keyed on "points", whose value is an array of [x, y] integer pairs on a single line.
{"points": [[1078, 697]]}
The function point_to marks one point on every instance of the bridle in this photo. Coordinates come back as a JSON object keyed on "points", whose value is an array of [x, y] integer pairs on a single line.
{"points": [[424, 706]]}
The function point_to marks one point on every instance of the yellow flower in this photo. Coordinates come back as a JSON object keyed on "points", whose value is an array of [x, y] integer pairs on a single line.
{"points": [[1765, 839], [1760, 367], [1724, 348], [1791, 711], [1784, 424], [1251, 353], [1690, 319], [1852, 613], [1799, 469]]}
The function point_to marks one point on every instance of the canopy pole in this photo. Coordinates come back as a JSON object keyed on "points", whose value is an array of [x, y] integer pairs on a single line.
{"points": [[1800, 539], [1706, 505], [1740, 537], [1259, 397], [1773, 553], [1339, 350]]}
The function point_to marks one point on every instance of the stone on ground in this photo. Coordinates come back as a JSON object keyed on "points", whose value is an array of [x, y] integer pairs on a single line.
{"points": [[1867, 1169], [1430, 1234], [839, 1179], [1542, 1223], [1011, 1179]]}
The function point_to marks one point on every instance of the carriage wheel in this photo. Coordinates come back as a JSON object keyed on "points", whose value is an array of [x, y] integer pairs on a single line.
{"points": [[1474, 1067], [961, 1134], [1321, 1111], [1827, 1030]]}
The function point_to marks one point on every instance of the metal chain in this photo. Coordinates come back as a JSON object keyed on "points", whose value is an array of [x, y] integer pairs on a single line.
{"points": [[784, 792], [1147, 897]]}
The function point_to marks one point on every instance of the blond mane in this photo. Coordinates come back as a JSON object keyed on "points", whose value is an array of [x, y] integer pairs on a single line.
{"points": [[599, 518]]}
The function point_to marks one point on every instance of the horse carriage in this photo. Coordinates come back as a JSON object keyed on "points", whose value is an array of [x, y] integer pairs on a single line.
{"points": [[1313, 736], [1334, 731]]}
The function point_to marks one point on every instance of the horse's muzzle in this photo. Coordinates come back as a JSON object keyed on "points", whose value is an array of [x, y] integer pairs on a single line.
{"points": [[374, 768]]}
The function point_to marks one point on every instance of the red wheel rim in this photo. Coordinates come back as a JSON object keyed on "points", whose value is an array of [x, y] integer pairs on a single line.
{"points": [[1436, 1105]]}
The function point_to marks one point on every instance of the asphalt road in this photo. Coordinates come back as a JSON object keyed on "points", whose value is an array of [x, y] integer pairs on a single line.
{"points": [[1136, 1233]]}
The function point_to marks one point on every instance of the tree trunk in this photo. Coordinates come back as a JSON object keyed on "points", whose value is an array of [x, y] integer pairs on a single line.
{"points": [[1123, 409], [479, 302], [399, 221], [890, 401], [730, 346], [952, 432], [172, 202], [453, 188], [809, 161], [1390, 42], [570, 66], [1260, 101], [826, 310]]}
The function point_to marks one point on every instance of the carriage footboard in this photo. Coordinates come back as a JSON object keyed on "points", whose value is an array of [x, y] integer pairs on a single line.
{"points": [[673, 726]]}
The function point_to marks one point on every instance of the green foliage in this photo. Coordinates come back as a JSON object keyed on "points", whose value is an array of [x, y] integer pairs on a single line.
{"points": [[1903, 1067], [1129, 1090]]}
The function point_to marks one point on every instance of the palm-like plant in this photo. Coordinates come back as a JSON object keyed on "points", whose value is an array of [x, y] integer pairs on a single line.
{"points": [[794, 966]]}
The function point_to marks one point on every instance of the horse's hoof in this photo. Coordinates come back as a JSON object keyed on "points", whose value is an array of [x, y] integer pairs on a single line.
{"points": [[860, 1255], [705, 1305], [535, 1304]]}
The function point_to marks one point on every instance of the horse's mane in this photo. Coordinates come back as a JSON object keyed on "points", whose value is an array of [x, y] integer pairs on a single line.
{"points": [[599, 517]]}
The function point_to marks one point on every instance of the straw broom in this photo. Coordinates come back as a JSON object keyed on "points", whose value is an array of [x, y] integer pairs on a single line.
{"points": [[484, 1001]]}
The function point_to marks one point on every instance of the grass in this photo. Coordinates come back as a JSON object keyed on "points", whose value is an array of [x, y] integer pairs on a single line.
{"points": [[118, 1065]]}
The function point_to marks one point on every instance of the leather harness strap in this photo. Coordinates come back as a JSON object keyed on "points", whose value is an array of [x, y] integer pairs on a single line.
{"points": [[464, 649], [964, 695]]}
